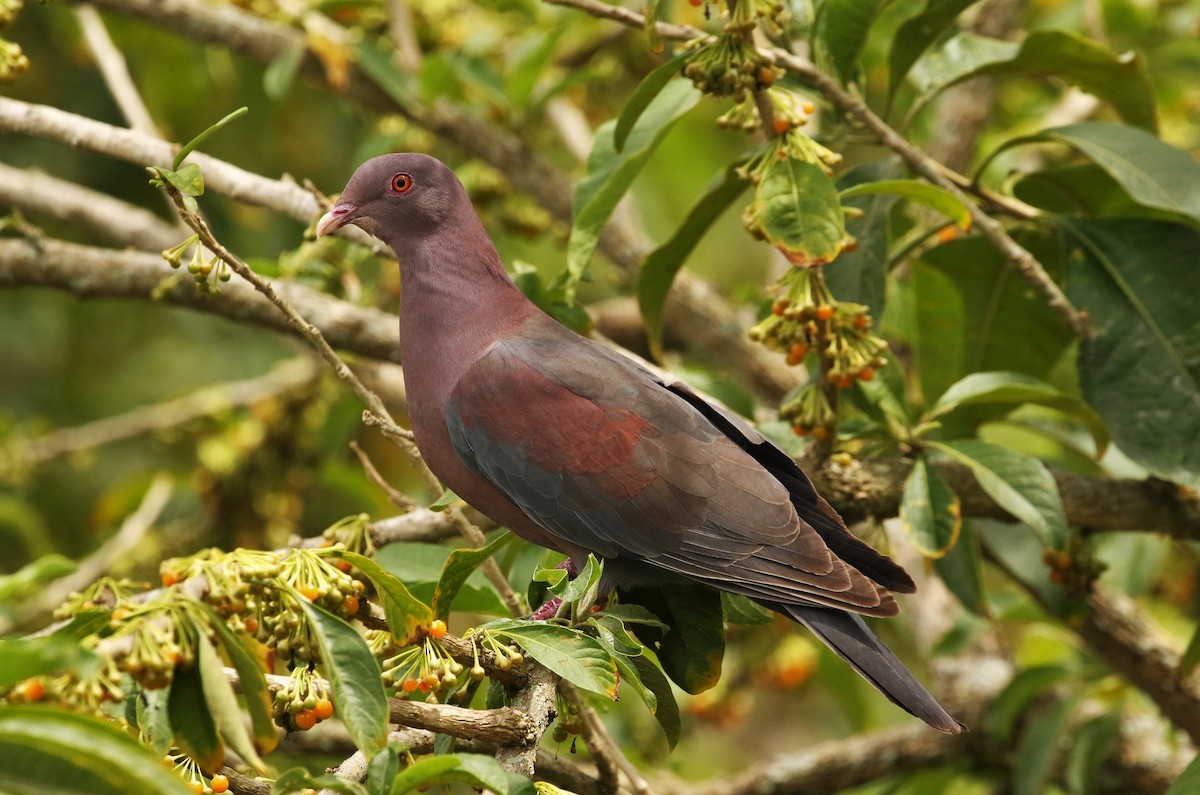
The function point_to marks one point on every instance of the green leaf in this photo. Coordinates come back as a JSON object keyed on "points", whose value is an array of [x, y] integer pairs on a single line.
{"points": [[222, 702], [842, 29], [296, 779], [1019, 483], [254, 686], [1039, 748], [22, 658], [1015, 389], [923, 193], [580, 659], [531, 62], [1140, 368], [382, 769], [199, 139], [1006, 711], [974, 313], [352, 672], [25, 579], [796, 209], [961, 570], [612, 633], [429, 770], [916, 34], [43, 750], [651, 26], [610, 173], [153, 719], [1091, 745], [187, 180], [931, 511], [444, 501], [742, 610], [860, 275], [375, 58], [1188, 781], [281, 72], [461, 564], [1120, 79], [406, 615], [661, 265], [1152, 172], [582, 588], [191, 721], [692, 649], [476, 770], [666, 709], [650, 87]]}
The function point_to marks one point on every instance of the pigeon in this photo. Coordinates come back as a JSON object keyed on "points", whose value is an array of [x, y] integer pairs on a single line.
{"points": [[579, 449]]}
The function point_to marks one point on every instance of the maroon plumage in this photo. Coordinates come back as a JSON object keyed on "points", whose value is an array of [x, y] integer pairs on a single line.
{"points": [[579, 449]]}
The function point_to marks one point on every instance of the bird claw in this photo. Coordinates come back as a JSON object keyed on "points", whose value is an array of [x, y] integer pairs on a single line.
{"points": [[547, 611]]}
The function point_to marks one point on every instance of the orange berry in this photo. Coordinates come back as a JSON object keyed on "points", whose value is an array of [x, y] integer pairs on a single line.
{"points": [[342, 565], [808, 108], [219, 783], [169, 578], [781, 125], [845, 381], [32, 690], [866, 374], [309, 592], [323, 708], [197, 787], [350, 605], [409, 685], [305, 719], [437, 629], [820, 433], [766, 76], [696, 3], [824, 312], [779, 307], [251, 625], [796, 353], [800, 430], [862, 322], [424, 686], [947, 233]]}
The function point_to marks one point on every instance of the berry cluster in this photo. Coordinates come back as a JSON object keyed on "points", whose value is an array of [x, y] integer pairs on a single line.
{"points": [[728, 65], [105, 592], [187, 769], [199, 266], [427, 669], [303, 702], [149, 641]]}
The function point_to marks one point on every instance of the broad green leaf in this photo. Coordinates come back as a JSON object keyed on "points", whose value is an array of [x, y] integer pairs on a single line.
{"points": [[43, 750], [692, 649], [253, 685], [292, 781], [152, 719], [666, 709], [975, 313], [44, 569], [353, 675], [532, 58], [580, 659], [1006, 711], [882, 398], [22, 658], [1091, 745], [281, 72], [1020, 484], [961, 570], [192, 722], [610, 173], [650, 87], [222, 703], [1188, 781], [1005, 388], [476, 770], [1039, 748], [931, 511], [842, 29], [916, 34], [406, 616], [1140, 368], [444, 501], [581, 588], [796, 209], [661, 265], [1152, 172], [376, 60], [923, 193], [1120, 79], [188, 179], [425, 771], [740, 609], [860, 275], [1017, 551], [1076, 189], [461, 564], [382, 769], [612, 633]]}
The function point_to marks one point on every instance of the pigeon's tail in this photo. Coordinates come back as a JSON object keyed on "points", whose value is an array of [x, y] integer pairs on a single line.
{"points": [[848, 635]]}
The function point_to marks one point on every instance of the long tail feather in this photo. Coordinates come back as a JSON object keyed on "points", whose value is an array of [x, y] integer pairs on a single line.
{"points": [[849, 636]]}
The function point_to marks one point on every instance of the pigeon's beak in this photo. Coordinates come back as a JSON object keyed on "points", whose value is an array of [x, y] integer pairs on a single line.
{"points": [[335, 219]]}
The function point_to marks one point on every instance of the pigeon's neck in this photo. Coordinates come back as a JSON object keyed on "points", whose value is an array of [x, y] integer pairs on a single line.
{"points": [[456, 300]]}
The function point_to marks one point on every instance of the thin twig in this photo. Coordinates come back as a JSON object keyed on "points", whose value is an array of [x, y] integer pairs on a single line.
{"points": [[399, 499], [115, 71]]}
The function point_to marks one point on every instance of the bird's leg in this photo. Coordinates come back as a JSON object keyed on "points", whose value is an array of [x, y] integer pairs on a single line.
{"points": [[554, 604]]}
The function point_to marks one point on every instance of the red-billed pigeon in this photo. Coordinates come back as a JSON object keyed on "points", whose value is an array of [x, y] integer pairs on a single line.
{"points": [[579, 449]]}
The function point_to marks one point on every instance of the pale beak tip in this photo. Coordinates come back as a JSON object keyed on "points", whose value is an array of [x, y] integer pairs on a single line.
{"points": [[335, 219]]}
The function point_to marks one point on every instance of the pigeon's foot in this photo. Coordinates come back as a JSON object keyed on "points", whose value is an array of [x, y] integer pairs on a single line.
{"points": [[547, 611]]}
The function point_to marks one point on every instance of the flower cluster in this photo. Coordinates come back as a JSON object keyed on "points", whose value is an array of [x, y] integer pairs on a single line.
{"points": [[427, 669], [728, 65], [199, 266]]}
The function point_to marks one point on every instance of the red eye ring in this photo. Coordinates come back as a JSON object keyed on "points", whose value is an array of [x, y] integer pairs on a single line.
{"points": [[402, 182]]}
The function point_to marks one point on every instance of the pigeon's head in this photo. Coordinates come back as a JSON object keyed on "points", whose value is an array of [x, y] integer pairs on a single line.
{"points": [[396, 197]]}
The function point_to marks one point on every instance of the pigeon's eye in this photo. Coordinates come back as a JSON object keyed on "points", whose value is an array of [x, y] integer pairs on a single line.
{"points": [[401, 183]]}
